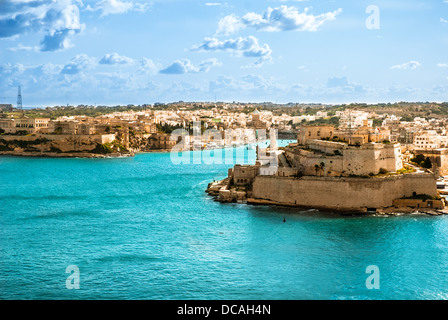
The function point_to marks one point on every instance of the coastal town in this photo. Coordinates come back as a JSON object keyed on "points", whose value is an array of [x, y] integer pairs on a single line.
{"points": [[80, 131], [379, 160], [223, 158], [121, 133]]}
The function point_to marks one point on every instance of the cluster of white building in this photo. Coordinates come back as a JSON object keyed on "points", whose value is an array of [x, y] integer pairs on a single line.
{"points": [[419, 133]]}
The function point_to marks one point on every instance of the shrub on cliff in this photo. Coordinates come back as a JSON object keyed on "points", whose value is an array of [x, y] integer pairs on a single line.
{"points": [[337, 153], [406, 169], [111, 147], [423, 197], [54, 149], [418, 159], [427, 163], [103, 148], [422, 161], [5, 148]]}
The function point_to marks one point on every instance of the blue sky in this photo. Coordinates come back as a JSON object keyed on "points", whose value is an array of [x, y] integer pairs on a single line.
{"points": [[110, 52]]}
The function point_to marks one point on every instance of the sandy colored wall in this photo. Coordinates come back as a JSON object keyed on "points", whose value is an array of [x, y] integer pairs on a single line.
{"points": [[417, 203], [439, 159], [58, 143], [364, 160], [342, 193], [60, 137]]}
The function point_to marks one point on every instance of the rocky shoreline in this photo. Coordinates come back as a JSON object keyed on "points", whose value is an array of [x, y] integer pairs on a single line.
{"points": [[214, 188], [64, 155]]}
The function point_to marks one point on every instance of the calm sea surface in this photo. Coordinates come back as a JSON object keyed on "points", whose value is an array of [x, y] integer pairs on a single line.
{"points": [[143, 228]]}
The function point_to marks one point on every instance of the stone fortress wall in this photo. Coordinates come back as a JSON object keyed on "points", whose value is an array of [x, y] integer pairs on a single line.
{"points": [[341, 159], [349, 193], [322, 171]]}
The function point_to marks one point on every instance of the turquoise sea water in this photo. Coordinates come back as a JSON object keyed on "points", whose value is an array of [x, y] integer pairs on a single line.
{"points": [[143, 228]]}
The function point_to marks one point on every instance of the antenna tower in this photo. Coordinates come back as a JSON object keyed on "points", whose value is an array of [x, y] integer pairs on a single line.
{"points": [[19, 100]]}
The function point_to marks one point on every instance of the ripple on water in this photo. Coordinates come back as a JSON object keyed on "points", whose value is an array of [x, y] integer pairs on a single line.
{"points": [[143, 228]]}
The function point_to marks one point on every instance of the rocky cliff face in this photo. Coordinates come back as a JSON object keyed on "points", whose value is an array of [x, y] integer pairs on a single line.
{"points": [[62, 145], [50, 145], [139, 143]]}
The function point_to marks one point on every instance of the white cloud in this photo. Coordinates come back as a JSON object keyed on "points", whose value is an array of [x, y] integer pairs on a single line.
{"points": [[443, 20], [229, 24], [411, 65], [69, 19], [21, 47], [49, 69], [31, 77], [442, 65], [217, 4], [115, 58], [283, 18], [206, 65], [246, 47], [180, 67], [142, 7], [57, 40], [148, 66], [59, 20], [108, 7], [9, 69], [246, 84], [185, 66], [79, 63], [344, 85]]}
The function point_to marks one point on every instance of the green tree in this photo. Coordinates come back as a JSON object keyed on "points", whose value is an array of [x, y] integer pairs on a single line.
{"points": [[418, 159], [322, 167], [427, 163], [377, 122]]}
